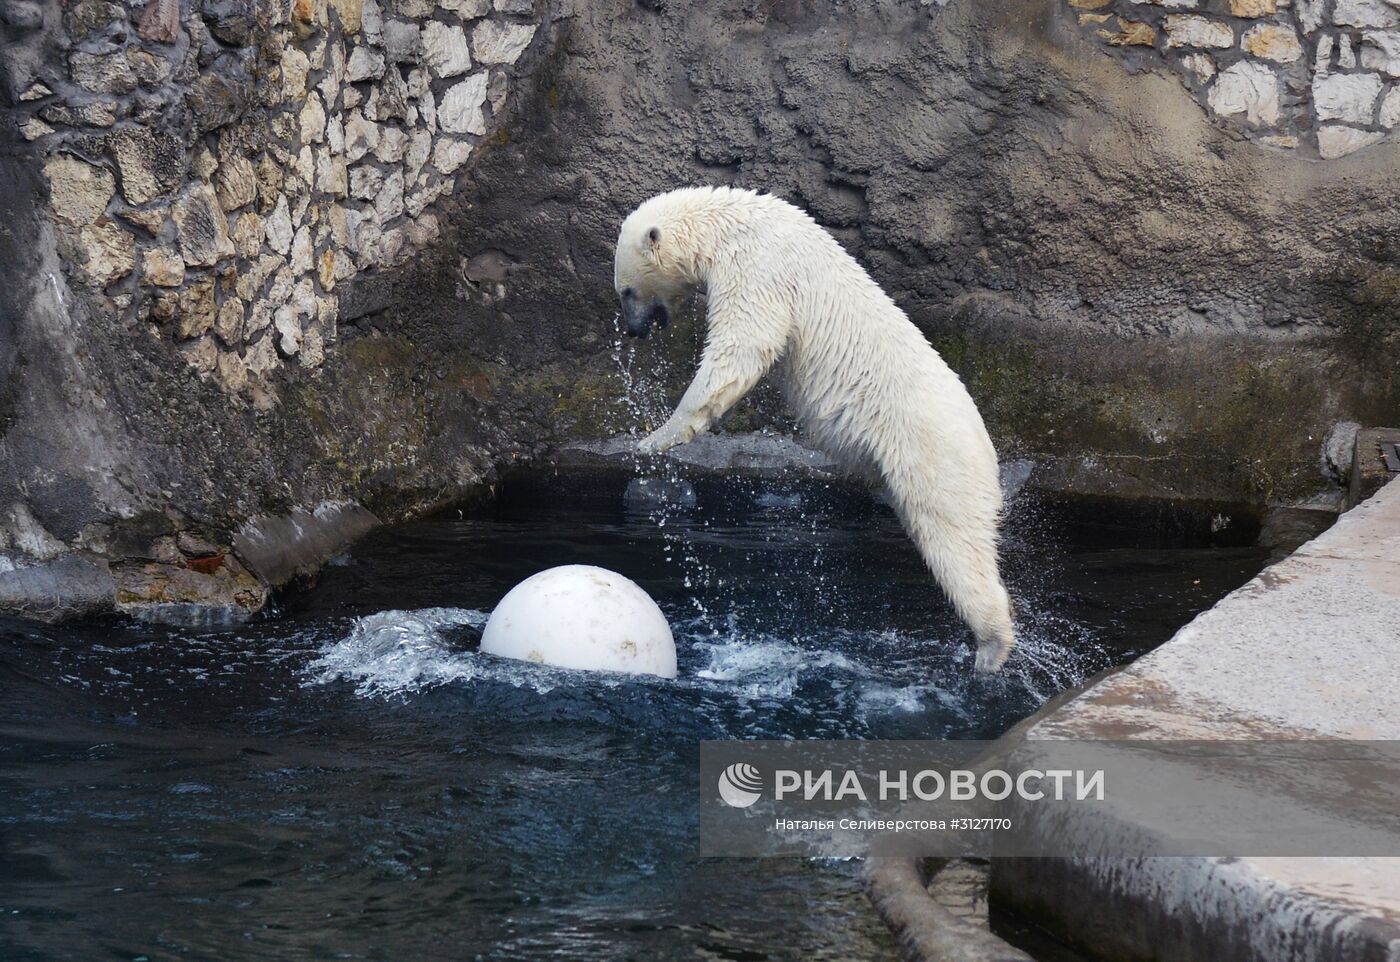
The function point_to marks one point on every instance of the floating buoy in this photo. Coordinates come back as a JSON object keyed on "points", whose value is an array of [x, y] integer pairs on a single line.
{"points": [[579, 616]]}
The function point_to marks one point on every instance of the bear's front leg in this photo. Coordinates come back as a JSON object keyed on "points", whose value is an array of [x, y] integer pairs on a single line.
{"points": [[707, 398]]}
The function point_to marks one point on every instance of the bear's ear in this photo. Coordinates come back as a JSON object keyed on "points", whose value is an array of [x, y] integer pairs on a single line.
{"points": [[654, 238]]}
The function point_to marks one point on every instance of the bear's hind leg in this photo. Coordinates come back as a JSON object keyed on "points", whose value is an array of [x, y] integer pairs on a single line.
{"points": [[959, 548]]}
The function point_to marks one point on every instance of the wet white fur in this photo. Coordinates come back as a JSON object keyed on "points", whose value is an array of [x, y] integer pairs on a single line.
{"points": [[864, 382]]}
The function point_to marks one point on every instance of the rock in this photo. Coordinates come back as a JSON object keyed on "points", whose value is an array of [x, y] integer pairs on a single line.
{"points": [[1247, 88], [450, 154], [1253, 8], [1381, 51], [460, 109], [372, 22], [228, 323], [472, 9], [204, 163], [494, 41], [1200, 65], [160, 22], [1193, 31], [330, 174], [100, 113], [236, 183], [165, 305], [365, 63], [151, 71], [313, 121], [109, 73], [261, 357], [278, 227], [201, 227], [201, 354], [519, 7], [1322, 63], [389, 202], [233, 22], [197, 310], [420, 147], [1272, 42], [288, 328], [1347, 97], [151, 220], [1366, 13], [301, 256], [1390, 109], [231, 370], [151, 164], [445, 49], [1334, 140], [270, 182], [78, 191], [221, 96], [36, 91], [1131, 33], [34, 128], [1346, 54], [392, 144], [162, 267], [1280, 141], [88, 17], [401, 41], [295, 68], [361, 136], [111, 252], [365, 181], [417, 202], [389, 99], [351, 13], [312, 348], [325, 268], [307, 15]]}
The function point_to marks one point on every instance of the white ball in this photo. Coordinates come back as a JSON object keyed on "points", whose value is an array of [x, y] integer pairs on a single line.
{"points": [[579, 616]]}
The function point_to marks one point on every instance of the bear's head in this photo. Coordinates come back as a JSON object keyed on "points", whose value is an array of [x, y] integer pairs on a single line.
{"points": [[654, 267]]}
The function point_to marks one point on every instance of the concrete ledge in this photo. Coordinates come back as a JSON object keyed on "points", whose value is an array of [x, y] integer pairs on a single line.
{"points": [[282, 547], [1309, 649], [69, 586]]}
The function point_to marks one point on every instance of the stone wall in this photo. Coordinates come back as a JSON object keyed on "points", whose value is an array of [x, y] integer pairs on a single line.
{"points": [[190, 194], [270, 273], [1319, 77], [216, 176]]}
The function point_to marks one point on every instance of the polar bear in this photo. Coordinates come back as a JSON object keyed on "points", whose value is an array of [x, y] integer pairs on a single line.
{"points": [[864, 383]]}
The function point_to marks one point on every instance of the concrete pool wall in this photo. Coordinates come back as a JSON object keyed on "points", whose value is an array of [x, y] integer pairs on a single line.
{"points": [[1304, 651]]}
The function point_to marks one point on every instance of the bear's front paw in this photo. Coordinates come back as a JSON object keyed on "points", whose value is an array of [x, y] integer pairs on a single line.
{"points": [[664, 439]]}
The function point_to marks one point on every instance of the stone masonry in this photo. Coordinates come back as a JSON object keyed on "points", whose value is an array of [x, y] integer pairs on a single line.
{"points": [[1319, 77], [216, 176]]}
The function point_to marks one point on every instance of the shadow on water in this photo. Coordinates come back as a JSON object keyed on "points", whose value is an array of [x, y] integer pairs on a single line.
{"points": [[351, 779]]}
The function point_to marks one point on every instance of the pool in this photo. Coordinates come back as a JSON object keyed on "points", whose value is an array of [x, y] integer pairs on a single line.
{"points": [[348, 778]]}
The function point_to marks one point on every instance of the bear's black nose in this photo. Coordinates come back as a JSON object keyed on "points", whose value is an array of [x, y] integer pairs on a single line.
{"points": [[641, 318]]}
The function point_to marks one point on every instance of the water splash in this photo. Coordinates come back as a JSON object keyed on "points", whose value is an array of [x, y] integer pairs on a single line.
{"points": [[398, 652]]}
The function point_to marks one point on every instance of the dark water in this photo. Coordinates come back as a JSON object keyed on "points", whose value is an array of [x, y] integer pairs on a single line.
{"points": [[337, 782]]}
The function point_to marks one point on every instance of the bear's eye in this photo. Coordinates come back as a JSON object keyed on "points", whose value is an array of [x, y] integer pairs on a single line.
{"points": [[628, 293]]}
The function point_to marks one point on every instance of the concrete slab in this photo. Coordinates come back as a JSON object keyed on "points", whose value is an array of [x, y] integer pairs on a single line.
{"points": [[1308, 649]]}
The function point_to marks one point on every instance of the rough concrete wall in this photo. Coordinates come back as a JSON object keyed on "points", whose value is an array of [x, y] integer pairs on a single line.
{"points": [[1137, 293], [191, 191]]}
